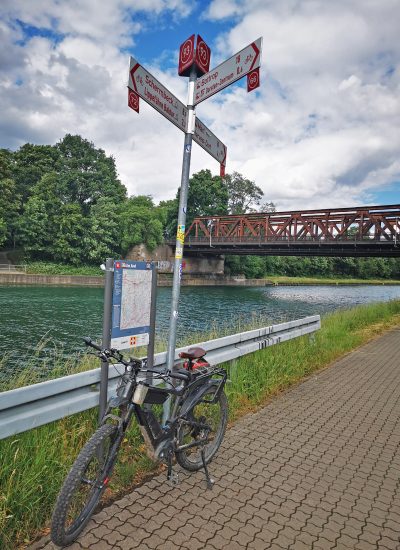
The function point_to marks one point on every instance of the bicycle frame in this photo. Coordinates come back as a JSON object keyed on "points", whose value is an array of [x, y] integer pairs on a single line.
{"points": [[160, 438]]}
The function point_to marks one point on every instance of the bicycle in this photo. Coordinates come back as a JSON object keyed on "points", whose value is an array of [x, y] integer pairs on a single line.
{"points": [[192, 433]]}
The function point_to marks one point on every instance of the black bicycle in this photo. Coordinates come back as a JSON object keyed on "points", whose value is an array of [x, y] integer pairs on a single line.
{"points": [[192, 433]]}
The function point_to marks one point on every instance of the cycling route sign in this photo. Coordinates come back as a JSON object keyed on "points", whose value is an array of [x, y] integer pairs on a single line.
{"points": [[131, 304], [145, 85], [245, 62]]}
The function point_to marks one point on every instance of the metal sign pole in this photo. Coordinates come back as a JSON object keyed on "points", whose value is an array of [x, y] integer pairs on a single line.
{"points": [[106, 340], [150, 347], [180, 234]]}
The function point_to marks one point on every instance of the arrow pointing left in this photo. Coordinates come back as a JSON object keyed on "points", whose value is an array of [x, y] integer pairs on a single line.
{"points": [[145, 85], [157, 95]]}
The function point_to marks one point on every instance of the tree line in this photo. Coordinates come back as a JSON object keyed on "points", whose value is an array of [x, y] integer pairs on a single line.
{"points": [[65, 203]]}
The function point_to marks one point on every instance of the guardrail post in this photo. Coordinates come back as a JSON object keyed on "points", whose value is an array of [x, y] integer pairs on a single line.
{"points": [[233, 368]]}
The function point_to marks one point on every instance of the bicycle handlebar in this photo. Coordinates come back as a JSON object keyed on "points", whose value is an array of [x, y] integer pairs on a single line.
{"points": [[89, 342], [117, 355]]}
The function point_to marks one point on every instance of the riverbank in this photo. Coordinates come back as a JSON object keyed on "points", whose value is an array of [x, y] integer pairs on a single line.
{"points": [[30, 482], [165, 280]]}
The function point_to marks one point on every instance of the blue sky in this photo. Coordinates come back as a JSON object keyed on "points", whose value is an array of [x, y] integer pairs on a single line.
{"points": [[323, 130]]}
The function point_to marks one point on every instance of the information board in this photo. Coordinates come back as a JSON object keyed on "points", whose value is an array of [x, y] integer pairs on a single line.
{"points": [[131, 304]]}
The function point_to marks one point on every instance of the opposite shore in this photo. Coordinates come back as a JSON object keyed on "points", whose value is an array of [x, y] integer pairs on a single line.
{"points": [[15, 278]]}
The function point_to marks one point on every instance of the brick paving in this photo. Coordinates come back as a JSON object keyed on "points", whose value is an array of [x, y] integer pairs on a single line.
{"points": [[317, 468]]}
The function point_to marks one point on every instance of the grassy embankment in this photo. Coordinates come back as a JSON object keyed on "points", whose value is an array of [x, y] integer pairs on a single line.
{"points": [[51, 268], [283, 280], [33, 464]]}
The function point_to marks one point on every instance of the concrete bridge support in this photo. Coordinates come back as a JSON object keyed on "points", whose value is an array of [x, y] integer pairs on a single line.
{"points": [[192, 265]]}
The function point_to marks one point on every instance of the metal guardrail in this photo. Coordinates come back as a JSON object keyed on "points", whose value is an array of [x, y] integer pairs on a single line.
{"points": [[12, 268], [29, 407]]}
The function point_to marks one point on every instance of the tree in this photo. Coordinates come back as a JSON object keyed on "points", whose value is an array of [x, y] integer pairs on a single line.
{"points": [[103, 235], [140, 224], [3, 231], [70, 227], [31, 163], [207, 196], [87, 174], [10, 200], [34, 228], [243, 194]]}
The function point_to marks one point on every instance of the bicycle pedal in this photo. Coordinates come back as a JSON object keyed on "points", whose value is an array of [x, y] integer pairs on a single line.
{"points": [[174, 479]]}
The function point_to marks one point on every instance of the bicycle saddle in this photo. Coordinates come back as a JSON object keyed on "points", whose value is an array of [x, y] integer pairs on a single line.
{"points": [[192, 353]]}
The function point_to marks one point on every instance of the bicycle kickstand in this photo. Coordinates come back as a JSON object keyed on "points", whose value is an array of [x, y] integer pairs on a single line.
{"points": [[172, 476], [210, 480]]}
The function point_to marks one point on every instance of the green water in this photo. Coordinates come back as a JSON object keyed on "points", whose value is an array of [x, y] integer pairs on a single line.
{"points": [[60, 316]]}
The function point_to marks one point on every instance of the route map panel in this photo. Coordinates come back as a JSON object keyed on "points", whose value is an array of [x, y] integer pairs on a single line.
{"points": [[131, 304]]}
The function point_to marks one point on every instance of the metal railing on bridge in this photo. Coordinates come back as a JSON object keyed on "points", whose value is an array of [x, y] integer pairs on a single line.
{"points": [[380, 223]]}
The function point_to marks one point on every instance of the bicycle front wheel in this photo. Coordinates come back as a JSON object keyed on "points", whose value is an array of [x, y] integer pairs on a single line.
{"points": [[84, 485], [204, 428]]}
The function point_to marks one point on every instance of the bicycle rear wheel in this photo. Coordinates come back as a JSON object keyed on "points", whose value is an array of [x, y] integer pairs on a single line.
{"points": [[84, 485], [206, 422]]}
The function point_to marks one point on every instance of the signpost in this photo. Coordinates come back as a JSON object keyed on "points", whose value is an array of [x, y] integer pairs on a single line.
{"points": [[194, 62], [231, 70]]}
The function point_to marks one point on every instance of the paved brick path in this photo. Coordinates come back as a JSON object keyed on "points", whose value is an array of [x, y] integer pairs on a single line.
{"points": [[319, 467]]}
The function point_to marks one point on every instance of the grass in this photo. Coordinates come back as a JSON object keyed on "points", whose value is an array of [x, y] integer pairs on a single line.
{"points": [[50, 268], [33, 464], [284, 280]]}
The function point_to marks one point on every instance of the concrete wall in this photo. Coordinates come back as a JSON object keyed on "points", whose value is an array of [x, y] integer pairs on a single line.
{"points": [[163, 280], [165, 255], [57, 280]]}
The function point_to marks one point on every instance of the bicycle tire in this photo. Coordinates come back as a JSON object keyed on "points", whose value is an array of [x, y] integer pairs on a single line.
{"points": [[69, 521], [216, 416]]}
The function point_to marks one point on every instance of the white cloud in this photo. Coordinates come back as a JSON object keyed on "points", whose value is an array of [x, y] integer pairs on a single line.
{"points": [[326, 125], [322, 130]]}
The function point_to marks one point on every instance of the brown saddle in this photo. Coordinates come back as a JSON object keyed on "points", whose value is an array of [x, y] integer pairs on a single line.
{"points": [[192, 353]]}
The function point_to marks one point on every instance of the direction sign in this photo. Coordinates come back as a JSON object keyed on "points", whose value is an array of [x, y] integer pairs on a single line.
{"points": [[229, 71], [157, 95], [143, 84], [206, 139]]}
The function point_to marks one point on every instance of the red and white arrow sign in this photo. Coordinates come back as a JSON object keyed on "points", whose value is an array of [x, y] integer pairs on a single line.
{"points": [[210, 143], [229, 71], [156, 95]]}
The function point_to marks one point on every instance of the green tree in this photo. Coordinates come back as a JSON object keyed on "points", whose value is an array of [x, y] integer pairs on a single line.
{"points": [[207, 196], [3, 231], [87, 174], [31, 163], [10, 200], [34, 229], [70, 229], [103, 235], [243, 194], [140, 223]]}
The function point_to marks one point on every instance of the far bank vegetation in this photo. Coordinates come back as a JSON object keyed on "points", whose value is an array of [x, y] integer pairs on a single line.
{"points": [[63, 209]]}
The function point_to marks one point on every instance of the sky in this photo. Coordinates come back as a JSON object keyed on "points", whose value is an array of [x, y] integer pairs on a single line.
{"points": [[322, 131]]}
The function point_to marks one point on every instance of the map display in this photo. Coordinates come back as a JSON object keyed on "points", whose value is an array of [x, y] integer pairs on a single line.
{"points": [[131, 304]]}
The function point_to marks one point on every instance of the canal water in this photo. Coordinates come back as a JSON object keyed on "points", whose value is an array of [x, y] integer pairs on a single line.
{"points": [[58, 317]]}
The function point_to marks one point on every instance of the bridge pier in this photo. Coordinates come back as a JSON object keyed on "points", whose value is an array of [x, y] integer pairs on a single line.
{"points": [[197, 265]]}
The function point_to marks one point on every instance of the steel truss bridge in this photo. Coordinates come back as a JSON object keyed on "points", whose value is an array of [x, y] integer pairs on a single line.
{"points": [[361, 231]]}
